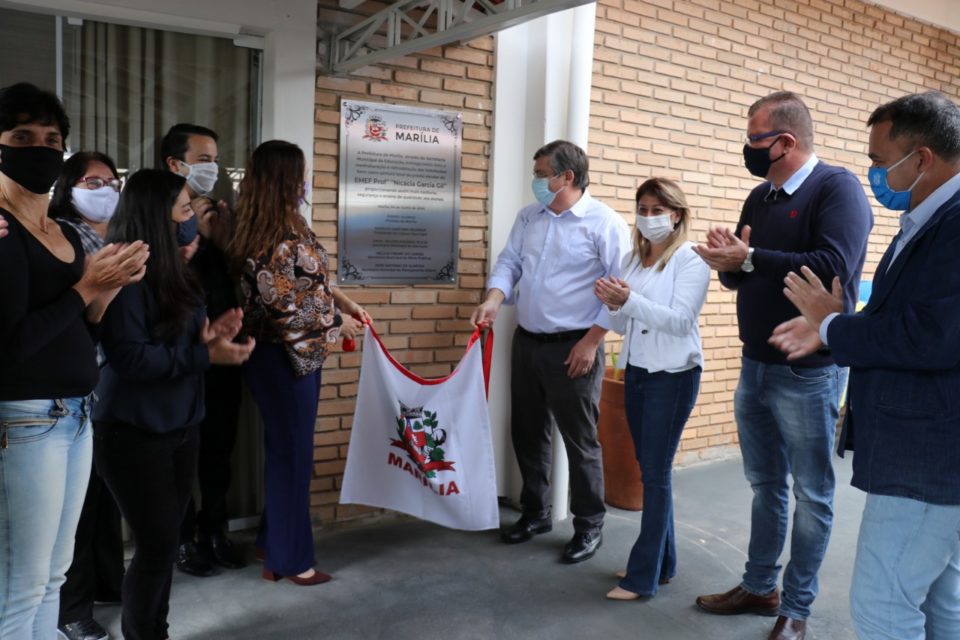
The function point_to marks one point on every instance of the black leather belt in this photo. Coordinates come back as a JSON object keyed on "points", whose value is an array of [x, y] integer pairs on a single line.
{"points": [[560, 336]]}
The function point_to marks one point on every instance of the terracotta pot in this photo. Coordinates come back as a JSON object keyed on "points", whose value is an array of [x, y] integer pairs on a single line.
{"points": [[622, 484]]}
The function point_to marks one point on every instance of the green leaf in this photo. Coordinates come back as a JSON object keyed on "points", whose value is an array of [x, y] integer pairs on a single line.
{"points": [[430, 441], [437, 454]]}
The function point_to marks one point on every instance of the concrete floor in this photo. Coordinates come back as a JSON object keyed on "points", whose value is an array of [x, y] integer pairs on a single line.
{"points": [[402, 578]]}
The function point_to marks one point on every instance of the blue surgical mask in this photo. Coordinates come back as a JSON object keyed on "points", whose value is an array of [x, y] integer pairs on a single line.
{"points": [[541, 191], [187, 231], [893, 200]]}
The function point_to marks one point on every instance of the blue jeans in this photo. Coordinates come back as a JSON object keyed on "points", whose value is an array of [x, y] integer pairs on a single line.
{"points": [[906, 578], [44, 470], [658, 405], [786, 418]]}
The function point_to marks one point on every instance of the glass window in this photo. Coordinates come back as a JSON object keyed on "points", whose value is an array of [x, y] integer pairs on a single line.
{"points": [[123, 87]]}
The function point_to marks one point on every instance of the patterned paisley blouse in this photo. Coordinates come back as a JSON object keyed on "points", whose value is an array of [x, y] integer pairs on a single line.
{"points": [[287, 300]]}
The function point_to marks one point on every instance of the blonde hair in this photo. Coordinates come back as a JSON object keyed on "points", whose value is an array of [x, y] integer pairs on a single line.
{"points": [[670, 196]]}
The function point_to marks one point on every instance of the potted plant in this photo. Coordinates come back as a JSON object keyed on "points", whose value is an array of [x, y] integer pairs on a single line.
{"points": [[622, 484]]}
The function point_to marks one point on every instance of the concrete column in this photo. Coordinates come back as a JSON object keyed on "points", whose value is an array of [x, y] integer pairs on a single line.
{"points": [[542, 84]]}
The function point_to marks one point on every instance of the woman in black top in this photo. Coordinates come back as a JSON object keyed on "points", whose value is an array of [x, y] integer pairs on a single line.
{"points": [[50, 304], [85, 197], [158, 343]]}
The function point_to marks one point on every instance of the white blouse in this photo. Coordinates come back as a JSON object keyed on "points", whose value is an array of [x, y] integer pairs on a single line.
{"points": [[660, 319]]}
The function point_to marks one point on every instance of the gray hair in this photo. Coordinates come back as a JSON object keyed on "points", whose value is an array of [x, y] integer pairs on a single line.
{"points": [[566, 156], [788, 113]]}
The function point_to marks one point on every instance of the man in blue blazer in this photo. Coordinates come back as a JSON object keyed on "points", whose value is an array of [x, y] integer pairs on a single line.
{"points": [[903, 350]]}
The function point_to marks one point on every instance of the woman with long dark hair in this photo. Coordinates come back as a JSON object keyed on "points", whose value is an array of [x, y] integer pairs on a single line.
{"points": [[85, 197], [52, 298], [657, 306], [158, 342], [296, 314]]}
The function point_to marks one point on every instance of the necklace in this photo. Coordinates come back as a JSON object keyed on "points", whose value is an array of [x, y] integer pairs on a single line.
{"points": [[41, 226]]}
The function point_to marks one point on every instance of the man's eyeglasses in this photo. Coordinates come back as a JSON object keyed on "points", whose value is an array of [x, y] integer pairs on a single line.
{"points": [[99, 183], [757, 137]]}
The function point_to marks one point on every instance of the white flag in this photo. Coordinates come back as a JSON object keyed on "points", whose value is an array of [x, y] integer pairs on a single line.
{"points": [[422, 446]]}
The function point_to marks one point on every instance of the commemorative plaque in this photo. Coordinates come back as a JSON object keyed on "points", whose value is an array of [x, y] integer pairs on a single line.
{"points": [[399, 215]]}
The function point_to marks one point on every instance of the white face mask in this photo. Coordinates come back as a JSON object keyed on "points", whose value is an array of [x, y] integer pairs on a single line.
{"points": [[201, 176], [656, 229], [96, 205]]}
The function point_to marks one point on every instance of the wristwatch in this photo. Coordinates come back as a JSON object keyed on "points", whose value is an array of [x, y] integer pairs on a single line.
{"points": [[747, 265]]}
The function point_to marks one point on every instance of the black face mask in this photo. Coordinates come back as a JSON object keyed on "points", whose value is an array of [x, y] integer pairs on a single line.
{"points": [[758, 161], [33, 168]]}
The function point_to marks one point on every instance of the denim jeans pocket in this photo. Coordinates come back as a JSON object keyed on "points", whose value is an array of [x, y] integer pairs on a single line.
{"points": [[25, 429], [812, 374]]}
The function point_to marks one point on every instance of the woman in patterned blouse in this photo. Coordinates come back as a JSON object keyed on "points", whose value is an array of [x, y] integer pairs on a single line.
{"points": [[296, 314]]}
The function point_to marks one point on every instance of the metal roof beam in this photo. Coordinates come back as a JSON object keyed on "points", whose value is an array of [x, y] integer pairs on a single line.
{"points": [[408, 26]]}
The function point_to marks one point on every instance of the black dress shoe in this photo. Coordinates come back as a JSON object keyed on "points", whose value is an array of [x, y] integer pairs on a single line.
{"points": [[87, 629], [525, 528], [582, 546], [219, 549], [192, 562]]}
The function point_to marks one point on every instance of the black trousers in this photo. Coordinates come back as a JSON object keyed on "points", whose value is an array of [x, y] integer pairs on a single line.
{"points": [[150, 475], [218, 435], [542, 395], [97, 569]]}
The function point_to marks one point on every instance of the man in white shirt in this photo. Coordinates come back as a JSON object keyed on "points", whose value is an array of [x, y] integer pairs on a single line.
{"points": [[556, 251]]}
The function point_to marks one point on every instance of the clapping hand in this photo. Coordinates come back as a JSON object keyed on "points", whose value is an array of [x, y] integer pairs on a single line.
{"points": [[724, 251], [811, 298], [612, 292], [227, 326], [796, 338]]}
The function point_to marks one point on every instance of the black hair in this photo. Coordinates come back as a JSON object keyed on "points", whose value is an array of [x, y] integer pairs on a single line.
{"points": [[24, 103], [176, 141], [928, 119], [144, 214], [61, 203], [566, 156]]}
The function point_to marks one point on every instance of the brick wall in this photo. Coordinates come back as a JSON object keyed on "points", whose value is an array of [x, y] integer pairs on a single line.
{"points": [[425, 327], [671, 86], [672, 83]]}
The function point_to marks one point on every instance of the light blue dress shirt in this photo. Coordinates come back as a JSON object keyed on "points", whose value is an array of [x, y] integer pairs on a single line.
{"points": [[793, 182], [551, 262], [910, 223]]}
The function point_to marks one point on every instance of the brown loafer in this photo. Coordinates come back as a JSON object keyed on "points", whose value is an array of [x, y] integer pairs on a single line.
{"points": [[788, 629], [737, 601]]}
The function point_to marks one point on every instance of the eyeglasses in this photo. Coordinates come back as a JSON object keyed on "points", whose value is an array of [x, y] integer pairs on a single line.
{"points": [[540, 176], [99, 183], [757, 137]]}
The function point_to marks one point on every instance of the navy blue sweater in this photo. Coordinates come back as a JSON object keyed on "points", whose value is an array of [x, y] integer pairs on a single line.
{"points": [[823, 225], [152, 383]]}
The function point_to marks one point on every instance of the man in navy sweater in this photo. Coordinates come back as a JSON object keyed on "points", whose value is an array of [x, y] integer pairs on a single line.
{"points": [[805, 213], [903, 350]]}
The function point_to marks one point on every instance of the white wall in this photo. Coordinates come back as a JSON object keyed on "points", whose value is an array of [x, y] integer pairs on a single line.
{"points": [[289, 37], [538, 64], [941, 13]]}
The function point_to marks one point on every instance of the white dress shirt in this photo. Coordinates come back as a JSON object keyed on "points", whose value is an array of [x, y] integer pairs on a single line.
{"points": [[551, 262], [660, 319]]}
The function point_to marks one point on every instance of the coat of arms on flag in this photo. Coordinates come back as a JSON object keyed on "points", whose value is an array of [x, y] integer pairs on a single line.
{"points": [[422, 446]]}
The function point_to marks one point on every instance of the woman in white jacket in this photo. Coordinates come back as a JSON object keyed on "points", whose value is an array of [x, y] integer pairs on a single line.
{"points": [[656, 305]]}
